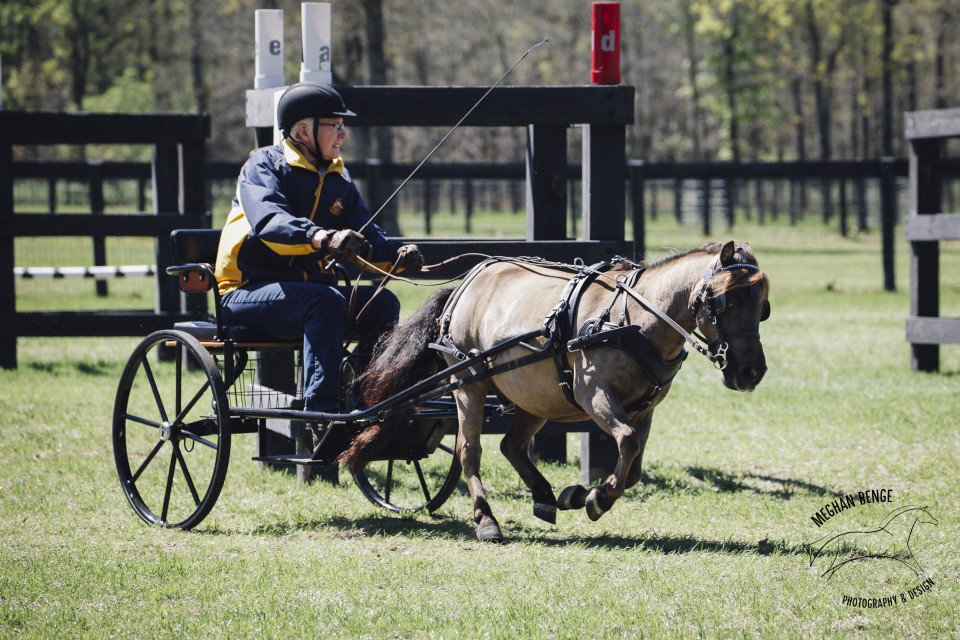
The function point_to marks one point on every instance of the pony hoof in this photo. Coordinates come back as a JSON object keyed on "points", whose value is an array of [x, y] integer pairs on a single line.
{"points": [[489, 531], [572, 498], [594, 510], [546, 512]]}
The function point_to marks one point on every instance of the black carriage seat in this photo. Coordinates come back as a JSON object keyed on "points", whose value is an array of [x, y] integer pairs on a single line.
{"points": [[194, 252]]}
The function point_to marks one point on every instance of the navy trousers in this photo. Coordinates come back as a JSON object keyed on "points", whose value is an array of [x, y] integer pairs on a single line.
{"points": [[318, 312]]}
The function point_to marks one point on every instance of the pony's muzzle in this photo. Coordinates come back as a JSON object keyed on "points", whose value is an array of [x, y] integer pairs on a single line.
{"points": [[749, 376]]}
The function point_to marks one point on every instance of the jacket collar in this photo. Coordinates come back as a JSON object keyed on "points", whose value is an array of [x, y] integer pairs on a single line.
{"points": [[296, 159]]}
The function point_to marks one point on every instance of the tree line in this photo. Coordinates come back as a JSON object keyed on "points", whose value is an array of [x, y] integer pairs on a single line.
{"points": [[715, 79]]}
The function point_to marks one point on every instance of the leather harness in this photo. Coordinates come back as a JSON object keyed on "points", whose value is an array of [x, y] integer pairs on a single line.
{"points": [[563, 337]]}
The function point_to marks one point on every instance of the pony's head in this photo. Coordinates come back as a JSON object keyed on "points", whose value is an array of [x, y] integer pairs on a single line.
{"points": [[728, 307]]}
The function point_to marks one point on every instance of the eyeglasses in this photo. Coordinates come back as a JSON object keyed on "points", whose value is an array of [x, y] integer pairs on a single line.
{"points": [[338, 127]]}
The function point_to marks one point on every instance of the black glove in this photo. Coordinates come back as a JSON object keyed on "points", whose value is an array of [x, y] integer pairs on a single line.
{"points": [[345, 242], [409, 258]]}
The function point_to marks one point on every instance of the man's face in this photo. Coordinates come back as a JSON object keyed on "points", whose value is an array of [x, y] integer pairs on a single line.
{"points": [[330, 136]]}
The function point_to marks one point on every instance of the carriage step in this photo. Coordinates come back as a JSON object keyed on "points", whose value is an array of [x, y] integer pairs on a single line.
{"points": [[303, 458]]}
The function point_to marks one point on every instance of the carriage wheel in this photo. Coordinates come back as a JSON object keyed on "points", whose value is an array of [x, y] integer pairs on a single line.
{"points": [[171, 430], [412, 485]]}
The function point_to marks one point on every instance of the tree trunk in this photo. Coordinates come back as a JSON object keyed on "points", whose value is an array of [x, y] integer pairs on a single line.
{"points": [[79, 36], [200, 92], [693, 70], [378, 68], [887, 62]]}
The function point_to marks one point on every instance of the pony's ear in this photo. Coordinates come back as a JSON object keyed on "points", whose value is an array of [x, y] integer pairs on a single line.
{"points": [[726, 253]]}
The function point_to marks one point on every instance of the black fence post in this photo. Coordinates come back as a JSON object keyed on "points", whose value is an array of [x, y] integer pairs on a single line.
{"points": [[546, 170], [468, 208], [52, 195], [166, 191], [861, 199], [604, 218], [97, 207], [638, 210], [925, 254], [678, 200], [888, 219], [844, 224], [705, 208], [427, 203], [731, 202], [8, 296]]}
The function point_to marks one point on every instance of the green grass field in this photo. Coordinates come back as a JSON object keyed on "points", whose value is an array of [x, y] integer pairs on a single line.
{"points": [[714, 544]]}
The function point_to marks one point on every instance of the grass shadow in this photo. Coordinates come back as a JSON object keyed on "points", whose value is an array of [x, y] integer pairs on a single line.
{"points": [[388, 525], [84, 367], [450, 528], [677, 544], [712, 479]]}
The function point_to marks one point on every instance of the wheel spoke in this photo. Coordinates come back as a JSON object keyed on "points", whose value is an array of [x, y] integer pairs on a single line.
{"points": [[166, 494], [178, 378], [196, 438], [423, 481], [190, 405], [146, 462], [153, 386], [389, 481], [145, 421], [186, 474]]}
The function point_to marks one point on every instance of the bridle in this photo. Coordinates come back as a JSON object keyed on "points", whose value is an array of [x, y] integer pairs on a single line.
{"points": [[714, 304]]}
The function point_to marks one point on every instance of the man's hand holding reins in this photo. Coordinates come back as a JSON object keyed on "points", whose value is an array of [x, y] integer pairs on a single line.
{"points": [[409, 258], [344, 242]]}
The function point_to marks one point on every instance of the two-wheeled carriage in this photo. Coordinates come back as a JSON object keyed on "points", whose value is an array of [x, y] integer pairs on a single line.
{"points": [[185, 392]]}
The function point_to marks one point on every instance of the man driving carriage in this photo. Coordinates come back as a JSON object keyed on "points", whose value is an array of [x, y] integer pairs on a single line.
{"points": [[295, 211]]}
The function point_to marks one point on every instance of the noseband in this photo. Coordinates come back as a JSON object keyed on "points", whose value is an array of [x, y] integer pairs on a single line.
{"points": [[715, 304]]}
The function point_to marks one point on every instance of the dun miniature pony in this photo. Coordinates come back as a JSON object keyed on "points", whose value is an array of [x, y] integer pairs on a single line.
{"points": [[610, 341]]}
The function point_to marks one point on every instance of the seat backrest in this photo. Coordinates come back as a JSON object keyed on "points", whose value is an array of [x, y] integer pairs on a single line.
{"points": [[194, 252], [194, 245]]}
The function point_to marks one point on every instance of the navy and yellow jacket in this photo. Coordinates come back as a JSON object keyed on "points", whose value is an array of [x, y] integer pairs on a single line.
{"points": [[281, 201]]}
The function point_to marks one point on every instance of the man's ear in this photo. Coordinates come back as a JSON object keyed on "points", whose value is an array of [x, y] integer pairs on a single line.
{"points": [[296, 134]]}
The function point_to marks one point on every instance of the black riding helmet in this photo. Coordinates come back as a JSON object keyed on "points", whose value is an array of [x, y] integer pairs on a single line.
{"points": [[309, 100]]}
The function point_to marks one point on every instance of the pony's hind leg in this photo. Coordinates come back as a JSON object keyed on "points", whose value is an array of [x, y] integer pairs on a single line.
{"points": [[515, 446], [470, 401]]}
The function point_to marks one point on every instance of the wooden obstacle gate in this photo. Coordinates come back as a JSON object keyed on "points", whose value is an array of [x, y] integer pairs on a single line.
{"points": [[925, 228]]}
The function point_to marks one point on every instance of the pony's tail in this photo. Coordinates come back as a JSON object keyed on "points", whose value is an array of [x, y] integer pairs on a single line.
{"points": [[401, 358]]}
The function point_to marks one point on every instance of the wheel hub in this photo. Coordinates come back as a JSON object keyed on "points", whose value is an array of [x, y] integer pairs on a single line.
{"points": [[166, 431]]}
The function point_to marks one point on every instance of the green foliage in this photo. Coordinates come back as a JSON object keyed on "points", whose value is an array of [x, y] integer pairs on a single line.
{"points": [[128, 94], [714, 79]]}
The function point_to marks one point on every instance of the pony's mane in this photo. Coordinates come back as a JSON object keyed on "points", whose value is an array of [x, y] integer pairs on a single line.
{"points": [[677, 254], [728, 280]]}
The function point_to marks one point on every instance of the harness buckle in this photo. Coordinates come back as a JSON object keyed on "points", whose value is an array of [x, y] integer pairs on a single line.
{"points": [[720, 357]]}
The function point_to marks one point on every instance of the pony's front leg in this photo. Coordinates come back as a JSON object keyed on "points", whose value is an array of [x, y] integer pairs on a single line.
{"points": [[631, 439], [631, 444], [470, 401], [515, 446]]}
